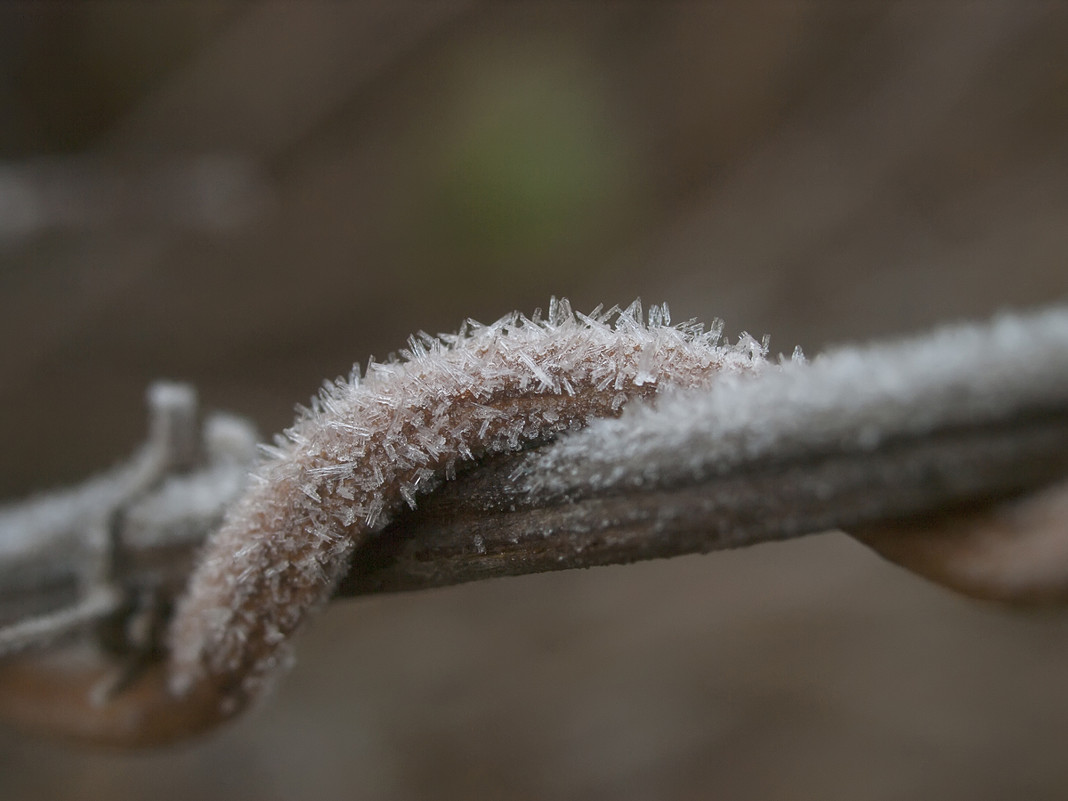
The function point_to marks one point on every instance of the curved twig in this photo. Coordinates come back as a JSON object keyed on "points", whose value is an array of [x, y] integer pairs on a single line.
{"points": [[865, 437]]}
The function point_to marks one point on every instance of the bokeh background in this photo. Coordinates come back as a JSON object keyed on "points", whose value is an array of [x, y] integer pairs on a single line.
{"points": [[252, 196]]}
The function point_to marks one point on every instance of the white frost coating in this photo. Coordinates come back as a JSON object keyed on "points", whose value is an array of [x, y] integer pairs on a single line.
{"points": [[370, 444], [851, 398]]}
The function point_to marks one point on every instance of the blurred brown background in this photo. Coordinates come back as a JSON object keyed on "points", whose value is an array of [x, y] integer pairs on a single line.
{"points": [[252, 196]]}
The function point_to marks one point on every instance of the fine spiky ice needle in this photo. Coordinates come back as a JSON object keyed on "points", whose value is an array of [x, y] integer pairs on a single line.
{"points": [[370, 444]]}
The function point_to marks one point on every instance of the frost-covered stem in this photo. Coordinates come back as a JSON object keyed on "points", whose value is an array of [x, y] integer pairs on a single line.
{"points": [[864, 436], [861, 436], [486, 525], [481, 526]]}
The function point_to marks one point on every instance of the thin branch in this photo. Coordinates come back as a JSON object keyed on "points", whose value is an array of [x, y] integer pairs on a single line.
{"points": [[883, 434], [861, 437], [879, 436], [480, 527]]}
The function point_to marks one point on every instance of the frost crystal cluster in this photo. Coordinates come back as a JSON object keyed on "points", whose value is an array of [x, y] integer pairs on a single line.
{"points": [[370, 444], [847, 400]]}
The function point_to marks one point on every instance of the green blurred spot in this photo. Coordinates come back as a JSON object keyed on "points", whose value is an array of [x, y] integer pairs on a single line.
{"points": [[533, 168]]}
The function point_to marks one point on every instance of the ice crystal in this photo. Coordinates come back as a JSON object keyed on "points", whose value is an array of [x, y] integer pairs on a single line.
{"points": [[370, 444]]}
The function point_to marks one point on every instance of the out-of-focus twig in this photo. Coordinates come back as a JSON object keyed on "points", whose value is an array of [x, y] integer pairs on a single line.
{"points": [[94, 192], [72, 558]]}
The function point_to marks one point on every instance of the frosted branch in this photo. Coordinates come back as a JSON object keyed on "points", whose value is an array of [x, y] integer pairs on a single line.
{"points": [[857, 437]]}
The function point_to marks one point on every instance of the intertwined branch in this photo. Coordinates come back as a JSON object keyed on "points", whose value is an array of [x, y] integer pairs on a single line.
{"points": [[913, 446], [858, 438]]}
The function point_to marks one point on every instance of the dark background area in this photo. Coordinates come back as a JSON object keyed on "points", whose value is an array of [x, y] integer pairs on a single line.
{"points": [[252, 196]]}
